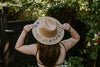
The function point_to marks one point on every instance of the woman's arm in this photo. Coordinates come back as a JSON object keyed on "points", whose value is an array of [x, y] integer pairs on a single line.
{"points": [[26, 49], [20, 40], [69, 43]]}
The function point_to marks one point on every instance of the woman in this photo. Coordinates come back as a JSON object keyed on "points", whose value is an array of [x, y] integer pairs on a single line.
{"points": [[50, 50]]}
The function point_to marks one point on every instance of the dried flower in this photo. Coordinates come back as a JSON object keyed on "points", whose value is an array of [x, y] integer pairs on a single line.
{"points": [[96, 35], [94, 39], [88, 44], [95, 44]]}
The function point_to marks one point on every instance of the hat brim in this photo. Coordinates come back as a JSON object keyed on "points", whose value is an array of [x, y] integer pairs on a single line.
{"points": [[48, 41]]}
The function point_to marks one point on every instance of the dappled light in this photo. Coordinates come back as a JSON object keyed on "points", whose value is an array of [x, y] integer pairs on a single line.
{"points": [[82, 15]]}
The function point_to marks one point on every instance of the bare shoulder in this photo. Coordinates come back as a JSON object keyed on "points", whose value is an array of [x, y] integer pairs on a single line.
{"points": [[62, 47]]}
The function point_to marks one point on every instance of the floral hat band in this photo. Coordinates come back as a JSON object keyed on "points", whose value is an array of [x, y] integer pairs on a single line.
{"points": [[47, 31]]}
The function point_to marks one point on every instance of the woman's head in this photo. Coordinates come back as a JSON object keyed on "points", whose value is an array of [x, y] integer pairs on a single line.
{"points": [[48, 54], [47, 31]]}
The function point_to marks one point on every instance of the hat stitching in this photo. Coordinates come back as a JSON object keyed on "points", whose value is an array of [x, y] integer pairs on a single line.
{"points": [[50, 40]]}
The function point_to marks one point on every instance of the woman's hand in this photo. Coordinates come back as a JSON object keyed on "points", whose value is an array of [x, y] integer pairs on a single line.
{"points": [[27, 28], [66, 26]]}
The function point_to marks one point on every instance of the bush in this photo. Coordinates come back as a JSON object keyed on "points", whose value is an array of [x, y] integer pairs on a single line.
{"points": [[86, 23]]}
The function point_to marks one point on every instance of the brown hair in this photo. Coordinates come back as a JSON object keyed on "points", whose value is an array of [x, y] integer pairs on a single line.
{"points": [[48, 54]]}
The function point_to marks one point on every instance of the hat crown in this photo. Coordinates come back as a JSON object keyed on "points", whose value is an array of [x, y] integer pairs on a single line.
{"points": [[47, 27], [48, 24]]}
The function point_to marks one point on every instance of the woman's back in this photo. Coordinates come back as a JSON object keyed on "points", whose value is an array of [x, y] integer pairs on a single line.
{"points": [[60, 59]]}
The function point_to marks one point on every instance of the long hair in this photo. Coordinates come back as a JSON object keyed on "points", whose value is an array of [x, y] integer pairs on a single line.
{"points": [[48, 54]]}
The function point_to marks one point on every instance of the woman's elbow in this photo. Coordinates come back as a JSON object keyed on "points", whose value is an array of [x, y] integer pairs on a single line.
{"points": [[16, 48], [78, 39]]}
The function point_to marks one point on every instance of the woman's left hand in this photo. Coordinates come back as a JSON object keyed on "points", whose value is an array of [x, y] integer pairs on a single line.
{"points": [[27, 28], [65, 26]]}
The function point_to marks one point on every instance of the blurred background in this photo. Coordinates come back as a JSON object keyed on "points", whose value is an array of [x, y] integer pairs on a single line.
{"points": [[83, 15]]}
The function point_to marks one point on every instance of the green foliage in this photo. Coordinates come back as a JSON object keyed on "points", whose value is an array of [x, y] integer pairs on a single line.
{"points": [[28, 9], [92, 19], [61, 12], [75, 61], [24, 11], [90, 16], [93, 55]]}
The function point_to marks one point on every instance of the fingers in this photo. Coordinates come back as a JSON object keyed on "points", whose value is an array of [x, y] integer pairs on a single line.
{"points": [[31, 25], [27, 28], [62, 26], [65, 26]]}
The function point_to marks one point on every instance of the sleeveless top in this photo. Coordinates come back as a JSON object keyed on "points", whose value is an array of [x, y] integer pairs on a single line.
{"points": [[56, 64]]}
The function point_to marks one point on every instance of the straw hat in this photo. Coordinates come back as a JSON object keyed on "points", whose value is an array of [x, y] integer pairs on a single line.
{"points": [[47, 31]]}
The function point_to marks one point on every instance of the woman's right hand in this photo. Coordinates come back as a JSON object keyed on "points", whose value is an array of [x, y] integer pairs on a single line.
{"points": [[27, 28], [66, 26]]}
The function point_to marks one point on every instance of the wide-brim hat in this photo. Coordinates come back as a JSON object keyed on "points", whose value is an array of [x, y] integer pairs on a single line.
{"points": [[47, 30]]}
